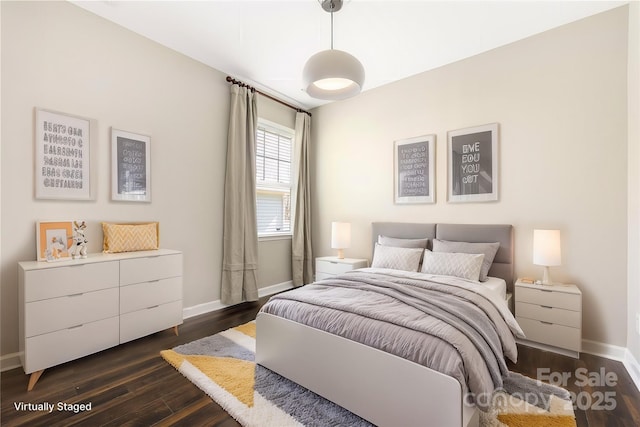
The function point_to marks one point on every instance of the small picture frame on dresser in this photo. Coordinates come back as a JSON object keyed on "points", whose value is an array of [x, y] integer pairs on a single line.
{"points": [[54, 240]]}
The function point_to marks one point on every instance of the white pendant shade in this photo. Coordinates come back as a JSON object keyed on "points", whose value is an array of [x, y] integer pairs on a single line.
{"points": [[333, 75]]}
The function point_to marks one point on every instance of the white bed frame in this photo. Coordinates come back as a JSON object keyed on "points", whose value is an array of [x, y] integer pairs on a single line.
{"points": [[380, 387]]}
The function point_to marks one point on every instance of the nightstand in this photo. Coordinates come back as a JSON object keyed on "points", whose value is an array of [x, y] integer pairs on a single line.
{"points": [[328, 266], [550, 316]]}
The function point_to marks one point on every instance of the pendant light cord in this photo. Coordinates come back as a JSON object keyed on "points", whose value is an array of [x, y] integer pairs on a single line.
{"points": [[332, 7]]}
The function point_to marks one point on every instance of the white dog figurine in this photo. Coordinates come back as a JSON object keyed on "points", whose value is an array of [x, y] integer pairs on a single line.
{"points": [[80, 242]]}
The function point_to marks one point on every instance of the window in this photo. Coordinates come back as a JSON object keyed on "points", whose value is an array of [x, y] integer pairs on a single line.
{"points": [[274, 146]]}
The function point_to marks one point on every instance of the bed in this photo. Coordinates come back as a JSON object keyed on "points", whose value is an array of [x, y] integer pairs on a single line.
{"points": [[382, 387]]}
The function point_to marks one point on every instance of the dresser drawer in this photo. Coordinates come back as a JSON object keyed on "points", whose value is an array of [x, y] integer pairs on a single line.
{"points": [[551, 334], [549, 298], [149, 294], [61, 281], [138, 270], [149, 320], [54, 314], [44, 351], [549, 314]]}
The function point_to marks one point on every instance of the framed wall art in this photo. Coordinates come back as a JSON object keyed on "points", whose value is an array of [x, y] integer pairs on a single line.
{"points": [[54, 240], [414, 170], [130, 167], [473, 164], [63, 156]]}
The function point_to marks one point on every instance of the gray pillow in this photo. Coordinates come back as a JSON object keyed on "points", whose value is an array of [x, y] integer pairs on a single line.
{"points": [[403, 243], [488, 249]]}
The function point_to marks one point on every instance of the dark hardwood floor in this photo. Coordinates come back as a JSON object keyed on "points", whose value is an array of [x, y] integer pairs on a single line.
{"points": [[131, 385]]}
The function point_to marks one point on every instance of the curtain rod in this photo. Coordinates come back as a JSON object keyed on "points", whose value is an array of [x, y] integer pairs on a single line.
{"points": [[253, 89]]}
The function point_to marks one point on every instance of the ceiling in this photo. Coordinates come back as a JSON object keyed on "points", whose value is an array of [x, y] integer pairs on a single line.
{"points": [[266, 42]]}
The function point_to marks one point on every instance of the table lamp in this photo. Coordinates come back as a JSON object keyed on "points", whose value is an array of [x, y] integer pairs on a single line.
{"points": [[340, 237], [546, 251]]}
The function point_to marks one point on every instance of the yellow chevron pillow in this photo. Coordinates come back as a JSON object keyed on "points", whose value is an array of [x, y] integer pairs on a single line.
{"points": [[130, 237]]}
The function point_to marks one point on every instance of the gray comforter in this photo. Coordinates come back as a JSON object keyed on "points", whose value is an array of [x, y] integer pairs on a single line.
{"points": [[451, 325]]}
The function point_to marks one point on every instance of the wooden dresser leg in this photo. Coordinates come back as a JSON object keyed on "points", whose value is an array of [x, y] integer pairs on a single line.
{"points": [[175, 329], [33, 379]]}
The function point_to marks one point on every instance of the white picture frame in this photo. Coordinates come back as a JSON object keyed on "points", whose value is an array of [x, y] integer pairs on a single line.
{"points": [[414, 170], [473, 164], [130, 166], [62, 156]]}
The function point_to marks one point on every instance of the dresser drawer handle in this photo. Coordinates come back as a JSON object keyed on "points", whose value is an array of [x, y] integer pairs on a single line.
{"points": [[75, 327], [546, 306], [152, 307], [546, 290], [75, 295], [77, 265], [546, 323], [333, 262], [153, 256], [153, 281]]}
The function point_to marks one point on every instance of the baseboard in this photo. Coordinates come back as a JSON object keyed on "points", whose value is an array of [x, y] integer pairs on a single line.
{"points": [[10, 361], [208, 307], [608, 351], [633, 367]]}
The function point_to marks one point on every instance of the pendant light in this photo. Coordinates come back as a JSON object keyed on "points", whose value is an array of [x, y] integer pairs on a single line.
{"points": [[333, 74]]}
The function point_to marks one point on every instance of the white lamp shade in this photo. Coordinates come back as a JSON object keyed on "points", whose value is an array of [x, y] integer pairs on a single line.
{"points": [[333, 75], [340, 235], [546, 247]]}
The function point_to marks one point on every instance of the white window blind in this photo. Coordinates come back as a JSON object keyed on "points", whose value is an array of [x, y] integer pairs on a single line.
{"points": [[274, 146]]}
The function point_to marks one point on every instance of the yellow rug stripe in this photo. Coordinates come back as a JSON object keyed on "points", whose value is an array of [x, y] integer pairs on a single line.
{"points": [[175, 359], [247, 329], [528, 420], [234, 375]]}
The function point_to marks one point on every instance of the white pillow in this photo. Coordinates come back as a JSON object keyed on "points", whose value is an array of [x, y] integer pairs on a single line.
{"points": [[467, 266], [407, 259], [488, 249]]}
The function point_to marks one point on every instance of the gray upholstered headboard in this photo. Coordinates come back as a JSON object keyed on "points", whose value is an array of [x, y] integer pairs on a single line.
{"points": [[477, 233]]}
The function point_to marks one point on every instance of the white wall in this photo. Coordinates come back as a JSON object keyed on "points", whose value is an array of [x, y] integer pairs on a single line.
{"points": [[61, 57], [633, 300], [560, 100]]}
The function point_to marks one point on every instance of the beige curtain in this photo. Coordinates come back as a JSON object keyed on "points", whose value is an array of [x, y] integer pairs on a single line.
{"points": [[301, 256], [240, 233]]}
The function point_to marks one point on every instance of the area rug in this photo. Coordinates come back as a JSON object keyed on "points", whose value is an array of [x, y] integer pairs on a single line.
{"points": [[223, 367]]}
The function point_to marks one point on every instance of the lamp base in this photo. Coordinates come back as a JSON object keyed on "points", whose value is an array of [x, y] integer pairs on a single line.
{"points": [[546, 278], [340, 254]]}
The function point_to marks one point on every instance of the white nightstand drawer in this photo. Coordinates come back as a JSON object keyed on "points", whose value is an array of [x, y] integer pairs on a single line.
{"points": [[44, 351], [138, 270], [549, 314], [548, 297], [61, 281], [332, 267], [69, 311], [148, 294], [551, 334], [149, 320]]}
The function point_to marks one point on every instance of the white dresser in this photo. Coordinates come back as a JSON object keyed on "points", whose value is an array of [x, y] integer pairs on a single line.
{"points": [[550, 316], [74, 308], [330, 266]]}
